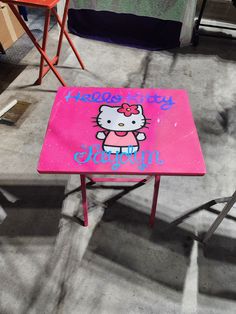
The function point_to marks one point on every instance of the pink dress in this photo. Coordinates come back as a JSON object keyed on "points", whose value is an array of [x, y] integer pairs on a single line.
{"points": [[120, 139]]}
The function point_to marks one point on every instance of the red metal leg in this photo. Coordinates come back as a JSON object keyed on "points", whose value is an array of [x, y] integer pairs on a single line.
{"points": [[84, 199], [47, 68], [154, 200], [63, 24], [44, 44], [68, 38], [41, 51]]}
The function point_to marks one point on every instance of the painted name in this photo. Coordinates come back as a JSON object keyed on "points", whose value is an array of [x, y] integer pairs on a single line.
{"points": [[95, 154], [165, 102]]}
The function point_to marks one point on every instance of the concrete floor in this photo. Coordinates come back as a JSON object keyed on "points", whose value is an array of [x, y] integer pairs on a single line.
{"points": [[51, 264], [10, 63]]}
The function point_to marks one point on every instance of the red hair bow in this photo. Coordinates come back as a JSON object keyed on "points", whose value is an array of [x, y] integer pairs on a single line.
{"points": [[128, 110]]}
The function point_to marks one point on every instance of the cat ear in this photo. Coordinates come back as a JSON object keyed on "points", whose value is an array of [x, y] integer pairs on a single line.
{"points": [[103, 108], [140, 109]]}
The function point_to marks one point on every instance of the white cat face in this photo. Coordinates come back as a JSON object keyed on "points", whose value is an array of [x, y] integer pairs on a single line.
{"points": [[110, 119]]}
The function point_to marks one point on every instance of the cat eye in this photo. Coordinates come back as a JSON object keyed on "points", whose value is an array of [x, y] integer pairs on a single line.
{"points": [[108, 121], [133, 122]]}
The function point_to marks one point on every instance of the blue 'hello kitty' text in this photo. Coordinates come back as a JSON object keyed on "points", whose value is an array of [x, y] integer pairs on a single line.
{"points": [[165, 102]]}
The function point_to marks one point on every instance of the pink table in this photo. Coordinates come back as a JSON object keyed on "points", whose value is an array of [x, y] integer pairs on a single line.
{"points": [[121, 131]]}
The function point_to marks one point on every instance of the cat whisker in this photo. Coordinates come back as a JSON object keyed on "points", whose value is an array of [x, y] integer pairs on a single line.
{"points": [[146, 127]]}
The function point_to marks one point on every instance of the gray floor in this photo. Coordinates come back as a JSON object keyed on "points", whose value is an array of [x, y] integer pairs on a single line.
{"points": [[10, 62], [50, 264]]}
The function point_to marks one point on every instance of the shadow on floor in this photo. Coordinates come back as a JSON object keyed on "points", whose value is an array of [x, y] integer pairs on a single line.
{"points": [[9, 73], [217, 267], [124, 237], [223, 48], [36, 213]]}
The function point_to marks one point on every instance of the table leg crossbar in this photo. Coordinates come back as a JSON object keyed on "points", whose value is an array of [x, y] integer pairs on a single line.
{"points": [[42, 49], [138, 181]]}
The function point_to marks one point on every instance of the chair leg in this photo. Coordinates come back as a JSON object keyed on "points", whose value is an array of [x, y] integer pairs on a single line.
{"points": [[154, 200], [84, 199], [68, 39], [220, 217], [39, 48], [44, 44]]}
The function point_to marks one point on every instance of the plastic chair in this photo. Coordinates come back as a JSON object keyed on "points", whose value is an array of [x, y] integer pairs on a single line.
{"points": [[49, 6]]}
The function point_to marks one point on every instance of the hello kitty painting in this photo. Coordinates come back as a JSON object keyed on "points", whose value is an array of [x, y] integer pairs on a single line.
{"points": [[121, 125]]}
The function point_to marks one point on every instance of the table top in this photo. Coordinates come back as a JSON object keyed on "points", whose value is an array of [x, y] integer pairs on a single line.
{"points": [[33, 3], [95, 130]]}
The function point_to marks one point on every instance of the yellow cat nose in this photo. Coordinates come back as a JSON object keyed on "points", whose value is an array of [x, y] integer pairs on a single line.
{"points": [[121, 124]]}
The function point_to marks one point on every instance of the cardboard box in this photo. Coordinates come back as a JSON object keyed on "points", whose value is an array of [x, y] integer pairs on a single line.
{"points": [[10, 28]]}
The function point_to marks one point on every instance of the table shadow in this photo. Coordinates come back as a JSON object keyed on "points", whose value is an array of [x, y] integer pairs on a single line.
{"points": [[125, 237]]}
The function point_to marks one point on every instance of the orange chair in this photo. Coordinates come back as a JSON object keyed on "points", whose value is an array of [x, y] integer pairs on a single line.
{"points": [[49, 6]]}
